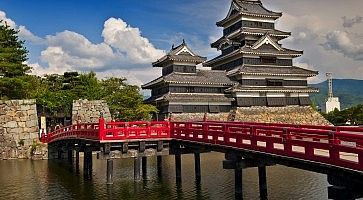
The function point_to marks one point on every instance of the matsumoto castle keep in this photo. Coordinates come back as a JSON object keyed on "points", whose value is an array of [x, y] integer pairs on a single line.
{"points": [[252, 80]]}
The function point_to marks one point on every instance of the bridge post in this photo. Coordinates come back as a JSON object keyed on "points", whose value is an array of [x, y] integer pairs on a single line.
{"points": [[137, 163], [77, 160], [70, 155], [198, 175], [87, 162], [159, 165], [262, 182], [59, 154], [238, 179], [345, 186], [144, 167], [109, 172], [178, 166]]}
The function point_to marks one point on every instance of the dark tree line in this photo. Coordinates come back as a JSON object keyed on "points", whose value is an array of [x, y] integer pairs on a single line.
{"points": [[352, 116]]}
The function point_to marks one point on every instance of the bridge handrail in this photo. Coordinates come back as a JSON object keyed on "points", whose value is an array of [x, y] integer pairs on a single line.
{"points": [[332, 128], [334, 145], [112, 131], [74, 131]]}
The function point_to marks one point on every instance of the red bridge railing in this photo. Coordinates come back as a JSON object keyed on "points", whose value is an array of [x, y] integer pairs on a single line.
{"points": [[342, 146], [121, 131], [111, 131], [77, 131], [338, 146]]}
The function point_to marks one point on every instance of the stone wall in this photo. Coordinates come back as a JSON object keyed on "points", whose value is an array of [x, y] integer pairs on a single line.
{"points": [[89, 111], [290, 114], [18, 129], [199, 117]]}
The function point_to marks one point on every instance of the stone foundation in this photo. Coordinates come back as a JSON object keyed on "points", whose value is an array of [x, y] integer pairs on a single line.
{"points": [[18, 129], [200, 117], [291, 114], [86, 111]]}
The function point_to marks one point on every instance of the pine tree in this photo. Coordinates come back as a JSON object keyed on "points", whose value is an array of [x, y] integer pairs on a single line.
{"points": [[13, 54]]}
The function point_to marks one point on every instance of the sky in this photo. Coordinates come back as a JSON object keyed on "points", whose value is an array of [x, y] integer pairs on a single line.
{"points": [[123, 37]]}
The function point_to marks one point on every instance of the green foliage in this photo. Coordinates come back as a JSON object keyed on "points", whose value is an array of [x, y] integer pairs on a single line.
{"points": [[14, 83], [56, 93], [13, 54], [125, 101], [353, 115], [21, 142]]}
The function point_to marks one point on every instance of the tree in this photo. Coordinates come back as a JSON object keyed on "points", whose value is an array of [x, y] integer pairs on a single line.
{"points": [[353, 115], [125, 101], [13, 54]]}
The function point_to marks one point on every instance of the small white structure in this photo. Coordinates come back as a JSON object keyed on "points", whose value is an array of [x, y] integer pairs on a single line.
{"points": [[332, 102]]}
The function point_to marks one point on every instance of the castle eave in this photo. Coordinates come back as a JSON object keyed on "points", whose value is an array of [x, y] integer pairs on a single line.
{"points": [[272, 71], [240, 88]]}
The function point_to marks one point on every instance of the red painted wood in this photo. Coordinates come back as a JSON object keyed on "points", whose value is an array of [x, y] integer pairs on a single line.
{"points": [[324, 144]]}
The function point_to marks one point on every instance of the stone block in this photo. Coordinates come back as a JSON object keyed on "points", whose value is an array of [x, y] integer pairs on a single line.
{"points": [[21, 124], [31, 123], [24, 107], [11, 124], [16, 131], [32, 112], [20, 114]]}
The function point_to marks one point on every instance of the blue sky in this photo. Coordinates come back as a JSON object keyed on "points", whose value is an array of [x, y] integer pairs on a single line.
{"points": [[123, 37], [158, 20]]}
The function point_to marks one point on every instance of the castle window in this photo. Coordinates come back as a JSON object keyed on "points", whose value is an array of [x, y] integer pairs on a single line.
{"points": [[190, 89], [274, 82], [268, 60]]}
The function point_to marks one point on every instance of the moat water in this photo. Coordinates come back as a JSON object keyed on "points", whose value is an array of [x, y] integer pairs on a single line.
{"points": [[24, 179]]}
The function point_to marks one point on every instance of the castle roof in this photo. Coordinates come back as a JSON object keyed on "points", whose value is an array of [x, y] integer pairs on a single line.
{"points": [[201, 77], [181, 53], [191, 97], [250, 8], [282, 89], [262, 51], [272, 71], [251, 31]]}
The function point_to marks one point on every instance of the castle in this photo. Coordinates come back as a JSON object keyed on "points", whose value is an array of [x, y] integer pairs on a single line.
{"points": [[253, 79]]}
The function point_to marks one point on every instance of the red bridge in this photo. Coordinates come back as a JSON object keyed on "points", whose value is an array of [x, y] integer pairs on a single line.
{"points": [[328, 147]]}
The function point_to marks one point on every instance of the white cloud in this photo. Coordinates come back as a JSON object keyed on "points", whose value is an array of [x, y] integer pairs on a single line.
{"points": [[6, 20], [350, 22], [24, 33], [69, 51], [128, 40], [123, 53], [340, 41], [123, 48]]}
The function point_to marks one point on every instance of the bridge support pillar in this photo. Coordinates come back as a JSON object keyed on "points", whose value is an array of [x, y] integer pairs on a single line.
{"points": [[137, 162], [262, 181], [109, 172], [87, 162], [198, 175], [70, 155], [238, 180], [345, 186], [59, 154], [178, 166], [144, 167], [77, 160], [159, 164]]}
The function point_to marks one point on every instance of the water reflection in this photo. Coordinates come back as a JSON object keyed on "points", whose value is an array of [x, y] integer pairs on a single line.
{"points": [[61, 180]]}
